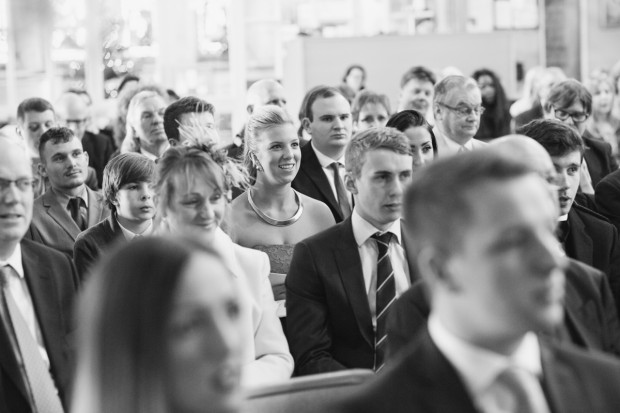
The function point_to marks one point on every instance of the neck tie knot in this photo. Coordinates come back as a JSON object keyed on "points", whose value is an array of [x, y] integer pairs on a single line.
{"points": [[383, 240]]}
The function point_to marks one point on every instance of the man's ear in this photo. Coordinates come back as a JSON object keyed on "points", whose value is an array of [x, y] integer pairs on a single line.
{"points": [[305, 123], [349, 183], [437, 111], [18, 130], [86, 157], [250, 109], [41, 169], [436, 267]]}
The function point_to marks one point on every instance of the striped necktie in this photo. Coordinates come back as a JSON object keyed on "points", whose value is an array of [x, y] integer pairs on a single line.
{"points": [[39, 379], [386, 294]]}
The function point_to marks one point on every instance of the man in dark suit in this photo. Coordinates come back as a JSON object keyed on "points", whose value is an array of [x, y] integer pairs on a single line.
{"points": [[571, 103], [42, 283], [338, 291], [328, 121], [68, 207], [607, 196], [585, 235], [73, 111], [481, 229]]}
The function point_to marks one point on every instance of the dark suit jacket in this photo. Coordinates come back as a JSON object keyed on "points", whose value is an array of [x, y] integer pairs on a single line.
{"points": [[589, 313], [593, 240], [52, 282], [328, 321], [311, 181], [100, 150], [91, 243], [536, 112], [607, 196], [424, 381], [53, 226], [598, 157]]}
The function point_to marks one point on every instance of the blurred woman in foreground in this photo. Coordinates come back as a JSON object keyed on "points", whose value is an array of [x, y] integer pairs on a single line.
{"points": [[160, 332]]}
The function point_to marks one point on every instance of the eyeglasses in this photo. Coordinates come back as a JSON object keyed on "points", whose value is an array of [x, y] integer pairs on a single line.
{"points": [[577, 117], [76, 122], [23, 184], [464, 111]]}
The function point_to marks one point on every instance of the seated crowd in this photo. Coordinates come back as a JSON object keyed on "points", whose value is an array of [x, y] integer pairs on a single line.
{"points": [[464, 248]]}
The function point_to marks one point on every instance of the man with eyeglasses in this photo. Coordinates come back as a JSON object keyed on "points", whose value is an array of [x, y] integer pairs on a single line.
{"points": [[457, 107], [73, 111], [37, 289], [571, 103]]}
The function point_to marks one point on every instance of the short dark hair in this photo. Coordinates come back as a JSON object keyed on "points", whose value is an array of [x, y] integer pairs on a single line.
{"points": [[188, 104], [566, 93], [33, 105], [420, 73], [365, 97], [55, 135], [373, 139], [410, 118], [556, 137], [124, 169], [437, 204]]}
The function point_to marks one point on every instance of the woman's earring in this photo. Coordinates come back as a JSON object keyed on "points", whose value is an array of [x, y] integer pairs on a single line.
{"points": [[259, 167]]}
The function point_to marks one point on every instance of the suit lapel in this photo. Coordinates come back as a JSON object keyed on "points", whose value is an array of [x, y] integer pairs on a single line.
{"points": [[411, 262], [578, 318], [60, 214], [312, 168], [350, 270], [95, 207]]}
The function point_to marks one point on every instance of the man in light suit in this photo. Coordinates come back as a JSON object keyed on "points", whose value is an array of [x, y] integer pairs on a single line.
{"points": [[328, 120], [480, 227], [42, 282], [457, 107], [336, 309], [68, 207]]}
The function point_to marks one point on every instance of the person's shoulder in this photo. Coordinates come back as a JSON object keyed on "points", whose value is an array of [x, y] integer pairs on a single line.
{"points": [[593, 362], [42, 252], [94, 232], [592, 217]]}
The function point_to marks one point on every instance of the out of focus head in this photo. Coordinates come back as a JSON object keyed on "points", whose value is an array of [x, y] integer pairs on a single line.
{"points": [[192, 191], [416, 89], [489, 85], [528, 151], [145, 119], [369, 110], [73, 112], [566, 148], [378, 167], [265, 92], [481, 228], [272, 150], [601, 87], [187, 111], [159, 331], [355, 77], [457, 108], [550, 77], [16, 194], [570, 102], [420, 134], [34, 117]]}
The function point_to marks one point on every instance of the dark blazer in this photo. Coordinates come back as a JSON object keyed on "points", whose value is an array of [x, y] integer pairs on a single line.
{"points": [[598, 157], [91, 243], [424, 381], [53, 226], [328, 321], [535, 112], [100, 150], [593, 240], [52, 282], [311, 181], [590, 315], [607, 196]]}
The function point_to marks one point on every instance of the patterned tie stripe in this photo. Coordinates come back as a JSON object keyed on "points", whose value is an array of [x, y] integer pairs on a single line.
{"points": [[386, 295], [343, 198]]}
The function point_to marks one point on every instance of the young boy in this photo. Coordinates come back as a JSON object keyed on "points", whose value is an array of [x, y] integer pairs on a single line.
{"points": [[128, 191]]}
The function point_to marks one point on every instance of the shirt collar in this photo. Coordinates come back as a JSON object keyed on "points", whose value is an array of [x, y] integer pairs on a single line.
{"points": [[480, 367], [325, 160], [149, 155], [15, 261], [362, 229], [63, 199], [563, 218], [129, 235]]}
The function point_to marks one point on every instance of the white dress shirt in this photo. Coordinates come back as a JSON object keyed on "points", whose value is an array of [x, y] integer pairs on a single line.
{"points": [[478, 367], [326, 162], [447, 147], [21, 294], [362, 231], [129, 235]]}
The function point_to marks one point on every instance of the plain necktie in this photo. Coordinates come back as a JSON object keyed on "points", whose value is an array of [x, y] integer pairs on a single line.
{"points": [[343, 198], [386, 294], [39, 379], [76, 213], [519, 391]]}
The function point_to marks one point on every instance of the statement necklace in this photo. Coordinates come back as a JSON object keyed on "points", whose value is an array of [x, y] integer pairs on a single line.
{"points": [[276, 222]]}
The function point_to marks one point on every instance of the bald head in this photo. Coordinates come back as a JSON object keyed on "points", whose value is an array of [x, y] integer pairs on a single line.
{"points": [[265, 92], [527, 150], [73, 112]]}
